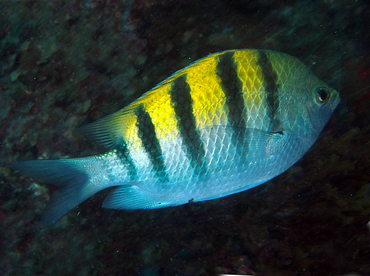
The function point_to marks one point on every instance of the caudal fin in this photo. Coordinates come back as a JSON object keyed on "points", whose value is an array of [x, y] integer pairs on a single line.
{"points": [[71, 178]]}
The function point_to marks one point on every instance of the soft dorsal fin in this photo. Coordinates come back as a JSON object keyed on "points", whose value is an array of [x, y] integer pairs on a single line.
{"points": [[106, 131]]}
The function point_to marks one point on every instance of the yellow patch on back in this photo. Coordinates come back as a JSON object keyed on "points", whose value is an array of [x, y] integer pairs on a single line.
{"points": [[162, 114], [253, 91], [206, 92], [157, 102], [207, 96]]}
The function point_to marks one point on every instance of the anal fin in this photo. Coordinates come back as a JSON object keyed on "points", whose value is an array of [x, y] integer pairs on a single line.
{"points": [[133, 197]]}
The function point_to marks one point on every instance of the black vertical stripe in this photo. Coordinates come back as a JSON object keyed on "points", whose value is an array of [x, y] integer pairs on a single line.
{"points": [[146, 132], [270, 79], [232, 86], [183, 106], [123, 153]]}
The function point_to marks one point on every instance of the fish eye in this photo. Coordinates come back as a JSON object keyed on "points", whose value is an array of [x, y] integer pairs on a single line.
{"points": [[322, 95]]}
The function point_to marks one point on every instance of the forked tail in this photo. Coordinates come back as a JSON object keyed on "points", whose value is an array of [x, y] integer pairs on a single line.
{"points": [[77, 179]]}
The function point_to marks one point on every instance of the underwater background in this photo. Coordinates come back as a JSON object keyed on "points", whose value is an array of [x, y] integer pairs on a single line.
{"points": [[67, 63]]}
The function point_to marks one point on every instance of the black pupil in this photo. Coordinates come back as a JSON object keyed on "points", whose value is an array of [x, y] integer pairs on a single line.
{"points": [[323, 95]]}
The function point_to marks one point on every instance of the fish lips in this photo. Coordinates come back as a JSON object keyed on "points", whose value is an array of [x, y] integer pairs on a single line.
{"points": [[335, 103]]}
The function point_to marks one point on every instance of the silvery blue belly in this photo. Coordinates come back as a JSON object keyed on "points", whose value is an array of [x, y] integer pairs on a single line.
{"points": [[236, 160]]}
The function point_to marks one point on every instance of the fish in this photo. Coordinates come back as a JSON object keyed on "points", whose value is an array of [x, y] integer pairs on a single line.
{"points": [[224, 124]]}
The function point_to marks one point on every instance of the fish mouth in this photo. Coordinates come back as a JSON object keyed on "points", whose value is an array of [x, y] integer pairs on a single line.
{"points": [[336, 101]]}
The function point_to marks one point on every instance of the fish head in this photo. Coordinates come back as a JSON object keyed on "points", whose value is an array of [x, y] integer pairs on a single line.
{"points": [[309, 103], [323, 102]]}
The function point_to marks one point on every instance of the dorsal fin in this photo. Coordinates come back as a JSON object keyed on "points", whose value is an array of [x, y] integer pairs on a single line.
{"points": [[106, 131]]}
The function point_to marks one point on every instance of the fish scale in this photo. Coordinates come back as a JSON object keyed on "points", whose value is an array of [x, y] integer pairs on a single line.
{"points": [[224, 124]]}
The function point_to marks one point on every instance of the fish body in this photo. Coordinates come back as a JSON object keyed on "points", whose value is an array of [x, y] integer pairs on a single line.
{"points": [[224, 124]]}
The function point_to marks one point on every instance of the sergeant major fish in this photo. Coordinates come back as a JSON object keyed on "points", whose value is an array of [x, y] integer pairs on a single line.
{"points": [[224, 124]]}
